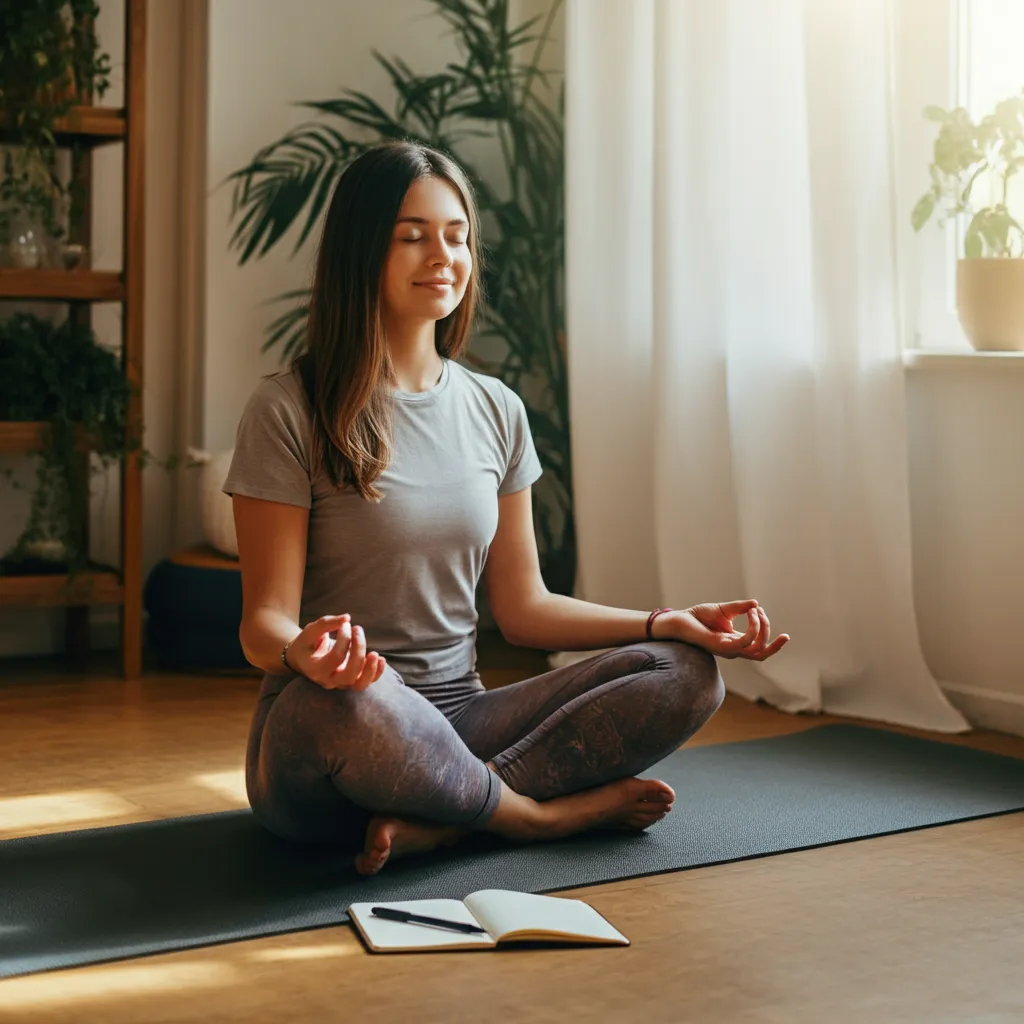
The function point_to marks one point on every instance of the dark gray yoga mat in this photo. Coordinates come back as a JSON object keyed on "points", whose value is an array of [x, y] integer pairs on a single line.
{"points": [[110, 893]]}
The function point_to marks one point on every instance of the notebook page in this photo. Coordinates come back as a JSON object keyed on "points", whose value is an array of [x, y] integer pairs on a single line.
{"points": [[502, 911], [399, 935]]}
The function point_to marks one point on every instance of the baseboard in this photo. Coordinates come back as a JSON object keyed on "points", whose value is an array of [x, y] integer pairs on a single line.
{"points": [[988, 709]]}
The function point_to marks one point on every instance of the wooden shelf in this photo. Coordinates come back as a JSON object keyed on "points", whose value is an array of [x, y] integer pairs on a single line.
{"points": [[53, 591], [26, 437], [62, 285], [21, 437], [88, 126]]}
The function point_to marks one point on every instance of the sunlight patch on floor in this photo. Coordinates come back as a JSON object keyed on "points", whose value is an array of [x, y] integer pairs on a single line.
{"points": [[44, 809], [230, 785], [53, 988], [305, 952]]}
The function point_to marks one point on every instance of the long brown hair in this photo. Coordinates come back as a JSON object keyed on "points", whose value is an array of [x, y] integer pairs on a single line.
{"points": [[346, 367]]}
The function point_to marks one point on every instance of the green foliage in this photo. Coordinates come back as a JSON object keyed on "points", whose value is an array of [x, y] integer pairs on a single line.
{"points": [[491, 92], [966, 152], [49, 62], [61, 376]]}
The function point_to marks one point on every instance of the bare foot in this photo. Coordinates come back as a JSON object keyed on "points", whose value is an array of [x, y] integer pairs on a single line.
{"points": [[396, 837], [632, 804]]}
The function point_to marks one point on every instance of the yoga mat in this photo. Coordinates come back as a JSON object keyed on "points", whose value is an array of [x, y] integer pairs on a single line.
{"points": [[109, 893]]}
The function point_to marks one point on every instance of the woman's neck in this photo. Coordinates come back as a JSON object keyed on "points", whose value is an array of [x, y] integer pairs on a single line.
{"points": [[417, 365]]}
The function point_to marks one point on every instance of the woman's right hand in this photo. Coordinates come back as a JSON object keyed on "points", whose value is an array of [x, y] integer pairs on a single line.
{"points": [[335, 664]]}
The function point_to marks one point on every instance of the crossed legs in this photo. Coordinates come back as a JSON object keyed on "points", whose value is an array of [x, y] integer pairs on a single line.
{"points": [[385, 770]]}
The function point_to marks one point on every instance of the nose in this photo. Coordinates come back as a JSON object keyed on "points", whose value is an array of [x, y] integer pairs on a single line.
{"points": [[440, 254]]}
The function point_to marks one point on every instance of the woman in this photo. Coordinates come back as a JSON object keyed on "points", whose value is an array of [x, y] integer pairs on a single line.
{"points": [[373, 485]]}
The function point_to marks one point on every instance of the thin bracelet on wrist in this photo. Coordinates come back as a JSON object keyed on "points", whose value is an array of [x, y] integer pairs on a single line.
{"points": [[284, 655], [652, 617]]}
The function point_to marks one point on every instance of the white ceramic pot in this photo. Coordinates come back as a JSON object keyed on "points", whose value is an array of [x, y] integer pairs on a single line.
{"points": [[217, 511], [990, 303]]}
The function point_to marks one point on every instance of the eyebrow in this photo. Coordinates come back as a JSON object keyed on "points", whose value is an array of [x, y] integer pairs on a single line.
{"points": [[423, 220]]}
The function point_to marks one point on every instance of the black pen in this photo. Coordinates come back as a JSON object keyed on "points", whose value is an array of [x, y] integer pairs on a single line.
{"points": [[390, 914]]}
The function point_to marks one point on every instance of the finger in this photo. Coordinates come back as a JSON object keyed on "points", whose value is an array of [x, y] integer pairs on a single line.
{"points": [[353, 667], [316, 636], [334, 658], [766, 629], [332, 621], [734, 609], [738, 645], [775, 646], [753, 629], [382, 667], [327, 623], [369, 674]]}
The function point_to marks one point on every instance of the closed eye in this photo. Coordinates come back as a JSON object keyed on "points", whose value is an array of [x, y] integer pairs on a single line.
{"points": [[450, 241]]}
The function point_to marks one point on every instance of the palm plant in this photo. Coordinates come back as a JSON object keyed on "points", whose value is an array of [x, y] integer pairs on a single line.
{"points": [[492, 91]]}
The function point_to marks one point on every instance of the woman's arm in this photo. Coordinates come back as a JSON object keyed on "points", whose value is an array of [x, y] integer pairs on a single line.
{"points": [[272, 554], [272, 574], [526, 612], [529, 615], [554, 622]]}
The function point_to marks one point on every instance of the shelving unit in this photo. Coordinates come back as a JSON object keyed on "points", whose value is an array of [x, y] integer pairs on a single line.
{"points": [[90, 127]]}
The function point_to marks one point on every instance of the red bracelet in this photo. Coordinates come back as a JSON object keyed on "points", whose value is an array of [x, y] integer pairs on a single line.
{"points": [[652, 617]]}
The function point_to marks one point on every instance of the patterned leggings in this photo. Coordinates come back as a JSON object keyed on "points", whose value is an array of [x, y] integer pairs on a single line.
{"points": [[321, 763]]}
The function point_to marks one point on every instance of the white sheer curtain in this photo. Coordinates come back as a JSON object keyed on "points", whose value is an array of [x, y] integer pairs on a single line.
{"points": [[736, 386]]}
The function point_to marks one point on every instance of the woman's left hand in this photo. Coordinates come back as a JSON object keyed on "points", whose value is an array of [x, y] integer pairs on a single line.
{"points": [[710, 626]]}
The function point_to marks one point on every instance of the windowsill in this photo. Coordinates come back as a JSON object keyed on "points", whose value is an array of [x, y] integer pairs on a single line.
{"points": [[949, 359]]}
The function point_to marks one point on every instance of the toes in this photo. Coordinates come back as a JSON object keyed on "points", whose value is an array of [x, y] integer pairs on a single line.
{"points": [[663, 793], [656, 791], [376, 851], [370, 863]]}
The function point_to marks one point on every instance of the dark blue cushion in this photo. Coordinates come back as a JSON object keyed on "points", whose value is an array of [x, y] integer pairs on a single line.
{"points": [[190, 648], [191, 595]]}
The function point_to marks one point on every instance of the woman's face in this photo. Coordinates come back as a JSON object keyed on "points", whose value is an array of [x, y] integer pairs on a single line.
{"points": [[429, 263]]}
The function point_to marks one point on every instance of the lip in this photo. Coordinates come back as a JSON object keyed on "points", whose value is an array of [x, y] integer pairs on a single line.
{"points": [[438, 285]]}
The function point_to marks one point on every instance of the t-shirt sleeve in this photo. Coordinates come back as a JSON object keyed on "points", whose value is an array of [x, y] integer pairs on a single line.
{"points": [[270, 459], [524, 466]]}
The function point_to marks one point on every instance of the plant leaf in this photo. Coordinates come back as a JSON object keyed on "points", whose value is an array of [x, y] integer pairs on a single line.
{"points": [[922, 211]]}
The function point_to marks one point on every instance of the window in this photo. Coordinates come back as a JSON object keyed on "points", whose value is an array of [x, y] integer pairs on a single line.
{"points": [[945, 53]]}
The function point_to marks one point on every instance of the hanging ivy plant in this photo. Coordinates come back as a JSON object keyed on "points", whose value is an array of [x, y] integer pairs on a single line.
{"points": [[49, 62]]}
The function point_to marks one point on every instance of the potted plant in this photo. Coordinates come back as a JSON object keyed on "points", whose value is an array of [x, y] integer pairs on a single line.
{"points": [[60, 375], [972, 172], [49, 62], [492, 91]]}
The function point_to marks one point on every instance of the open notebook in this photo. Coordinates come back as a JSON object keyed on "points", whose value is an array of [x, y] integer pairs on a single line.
{"points": [[505, 915]]}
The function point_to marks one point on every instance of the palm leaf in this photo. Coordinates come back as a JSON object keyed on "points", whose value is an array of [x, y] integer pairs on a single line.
{"points": [[488, 91]]}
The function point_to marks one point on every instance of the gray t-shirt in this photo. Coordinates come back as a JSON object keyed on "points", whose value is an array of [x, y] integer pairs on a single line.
{"points": [[406, 568]]}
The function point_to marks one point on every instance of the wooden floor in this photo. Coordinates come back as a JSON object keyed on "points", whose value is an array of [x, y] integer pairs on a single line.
{"points": [[924, 926]]}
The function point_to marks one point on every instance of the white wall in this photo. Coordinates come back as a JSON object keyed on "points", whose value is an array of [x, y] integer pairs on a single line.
{"points": [[265, 56], [967, 516]]}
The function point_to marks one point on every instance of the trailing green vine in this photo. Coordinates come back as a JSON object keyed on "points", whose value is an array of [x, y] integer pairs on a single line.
{"points": [[50, 62], [59, 374]]}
